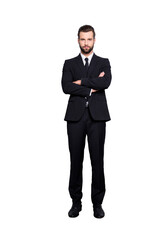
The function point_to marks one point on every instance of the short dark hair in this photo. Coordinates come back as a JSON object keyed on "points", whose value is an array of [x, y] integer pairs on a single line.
{"points": [[86, 28]]}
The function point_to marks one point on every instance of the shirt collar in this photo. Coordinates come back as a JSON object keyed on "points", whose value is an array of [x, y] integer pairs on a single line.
{"points": [[89, 57]]}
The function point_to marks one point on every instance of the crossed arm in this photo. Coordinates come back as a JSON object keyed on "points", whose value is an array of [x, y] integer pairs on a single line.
{"points": [[84, 86], [92, 90]]}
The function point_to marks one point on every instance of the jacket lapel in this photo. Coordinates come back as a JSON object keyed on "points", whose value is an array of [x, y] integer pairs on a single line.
{"points": [[80, 64], [91, 66]]}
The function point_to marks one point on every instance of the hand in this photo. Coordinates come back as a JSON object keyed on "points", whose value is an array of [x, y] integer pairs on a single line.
{"points": [[101, 74], [94, 90], [77, 82]]}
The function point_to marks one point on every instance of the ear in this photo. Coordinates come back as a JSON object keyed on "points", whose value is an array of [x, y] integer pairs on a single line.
{"points": [[94, 40], [78, 40]]}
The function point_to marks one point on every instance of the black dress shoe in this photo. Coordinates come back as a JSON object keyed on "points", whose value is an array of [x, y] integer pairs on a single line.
{"points": [[98, 211], [74, 211]]}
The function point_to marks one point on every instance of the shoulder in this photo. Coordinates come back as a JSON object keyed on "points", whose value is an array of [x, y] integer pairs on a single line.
{"points": [[71, 60], [103, 60], [68, 63]]}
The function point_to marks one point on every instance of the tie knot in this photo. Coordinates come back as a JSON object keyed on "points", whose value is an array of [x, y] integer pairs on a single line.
{"points": [[86, 59]]}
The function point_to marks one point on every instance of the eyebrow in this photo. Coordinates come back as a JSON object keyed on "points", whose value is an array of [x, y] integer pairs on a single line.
{"points": [[84, 39]]}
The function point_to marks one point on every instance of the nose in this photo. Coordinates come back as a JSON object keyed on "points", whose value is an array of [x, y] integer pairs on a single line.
{"points": [[86, 42]]}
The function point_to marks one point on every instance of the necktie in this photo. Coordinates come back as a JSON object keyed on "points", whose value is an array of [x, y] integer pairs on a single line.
{"points": [[86, 65]]}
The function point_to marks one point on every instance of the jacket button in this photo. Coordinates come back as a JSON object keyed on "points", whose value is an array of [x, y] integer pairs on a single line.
{"points": [[85, 97]]}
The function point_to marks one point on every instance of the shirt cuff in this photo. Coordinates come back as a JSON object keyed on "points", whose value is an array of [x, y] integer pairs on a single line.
{"points": [[90, 92]]}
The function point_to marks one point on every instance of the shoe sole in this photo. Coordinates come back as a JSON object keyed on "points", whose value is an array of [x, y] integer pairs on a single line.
{"points": [[98, 216]]}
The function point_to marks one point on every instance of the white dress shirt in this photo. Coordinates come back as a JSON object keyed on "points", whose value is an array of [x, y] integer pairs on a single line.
{"points": [[84, 62]]}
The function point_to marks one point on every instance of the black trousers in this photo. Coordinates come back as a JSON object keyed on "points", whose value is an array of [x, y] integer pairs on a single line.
{"points": [[95, 132]]}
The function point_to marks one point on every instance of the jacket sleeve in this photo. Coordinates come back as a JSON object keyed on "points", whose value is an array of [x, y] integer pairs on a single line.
{"points": [[99, 83], [67, 83]]}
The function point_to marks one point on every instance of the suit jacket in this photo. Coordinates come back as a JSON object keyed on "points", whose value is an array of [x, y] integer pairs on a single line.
{"points": [[73, 69]]}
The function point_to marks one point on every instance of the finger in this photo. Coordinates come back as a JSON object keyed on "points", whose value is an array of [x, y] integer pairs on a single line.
{"points": [[101, 75]]}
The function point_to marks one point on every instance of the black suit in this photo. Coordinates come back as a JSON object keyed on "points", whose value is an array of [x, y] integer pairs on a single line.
{"points": [[90, 121]]}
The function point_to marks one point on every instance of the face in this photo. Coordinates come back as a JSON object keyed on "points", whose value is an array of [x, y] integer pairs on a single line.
{"points": [[86, 42]]}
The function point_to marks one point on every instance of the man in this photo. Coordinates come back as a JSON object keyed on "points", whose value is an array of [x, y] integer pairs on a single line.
{"points": [[85, 78]]}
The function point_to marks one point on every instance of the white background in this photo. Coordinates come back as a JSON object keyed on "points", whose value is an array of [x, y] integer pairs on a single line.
{"points": [[35, 39]]}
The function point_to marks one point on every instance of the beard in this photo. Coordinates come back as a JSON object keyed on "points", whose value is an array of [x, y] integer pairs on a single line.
{"points": [[86, 50]]}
